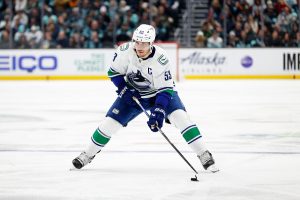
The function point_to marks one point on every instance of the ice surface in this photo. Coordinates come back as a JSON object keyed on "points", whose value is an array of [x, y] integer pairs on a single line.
{"points": [[251, 127]]}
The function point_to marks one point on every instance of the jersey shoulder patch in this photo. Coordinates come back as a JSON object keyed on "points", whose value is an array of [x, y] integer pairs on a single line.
{"points": [[162, 59], [124, 46]]}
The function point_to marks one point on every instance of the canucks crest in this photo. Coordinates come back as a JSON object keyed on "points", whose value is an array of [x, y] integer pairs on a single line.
{"points": [[138, 81]]}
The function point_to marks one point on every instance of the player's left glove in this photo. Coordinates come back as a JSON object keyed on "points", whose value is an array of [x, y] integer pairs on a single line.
{"points": [[127, 94], [156, 118]]}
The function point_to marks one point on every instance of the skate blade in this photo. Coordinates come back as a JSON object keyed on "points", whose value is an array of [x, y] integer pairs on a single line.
{"points": [[213, 168], [73, 169]]}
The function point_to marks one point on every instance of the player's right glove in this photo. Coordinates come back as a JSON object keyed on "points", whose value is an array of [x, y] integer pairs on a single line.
{"points": [[127, 95], [158, 112], [156, 118]]}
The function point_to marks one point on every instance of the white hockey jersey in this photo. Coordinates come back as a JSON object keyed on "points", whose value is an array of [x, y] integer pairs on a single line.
{"points": [[148, 76]]}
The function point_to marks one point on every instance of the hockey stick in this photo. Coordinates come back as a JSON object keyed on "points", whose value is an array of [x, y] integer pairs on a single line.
{"points": [[140, 105]]}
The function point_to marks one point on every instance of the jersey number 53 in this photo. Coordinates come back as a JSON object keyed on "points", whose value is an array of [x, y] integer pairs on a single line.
{"points": [[168, 75]]}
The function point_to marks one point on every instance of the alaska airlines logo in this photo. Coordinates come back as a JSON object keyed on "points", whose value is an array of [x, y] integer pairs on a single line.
{"points": [[197, 58], [138, 81]]}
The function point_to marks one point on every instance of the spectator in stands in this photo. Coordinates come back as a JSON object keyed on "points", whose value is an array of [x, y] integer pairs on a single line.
{"points": [[48, 42], [76, 41], [32, 4], [286, 41], [131, 18], [207, 29], [296, 42], [20, 18], [274, 40], [104, 16], [253, 24], [62, 41], [280, 6], [232, 39], [22, 42], [75, 18], [250, 34], [270, 15], [35, 35], [163, 24], [243, 41], [294, 29], [260, 39], [215, 41], [293, 4], [243, 7], [124, 33], [20, 5], [93, 41], [215, 12], [19, 31], [92, 27], [200, 40], [283, 19], [258, 23], [108, 35], [238, 29], [4, 21], [34, 17], [4, 40], [258, 7]]}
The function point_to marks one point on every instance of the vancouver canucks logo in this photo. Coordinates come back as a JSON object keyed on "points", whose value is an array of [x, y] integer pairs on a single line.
{"points": [[163, 60], [138, 81]]}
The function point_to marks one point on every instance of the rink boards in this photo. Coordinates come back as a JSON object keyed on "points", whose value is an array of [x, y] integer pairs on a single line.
{"points": [[190, 63]]}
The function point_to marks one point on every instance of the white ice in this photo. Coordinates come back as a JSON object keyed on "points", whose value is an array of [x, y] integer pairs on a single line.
{"points": [[252, 128]]}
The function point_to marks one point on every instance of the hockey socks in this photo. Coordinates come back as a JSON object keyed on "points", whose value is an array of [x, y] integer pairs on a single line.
{"points": [[99, 138], [98, 141], [191, 133], [192, 136], [102, 135]]}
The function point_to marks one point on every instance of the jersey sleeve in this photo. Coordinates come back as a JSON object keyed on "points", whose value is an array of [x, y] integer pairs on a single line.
{"points": [[163, 80], [119, 62]]}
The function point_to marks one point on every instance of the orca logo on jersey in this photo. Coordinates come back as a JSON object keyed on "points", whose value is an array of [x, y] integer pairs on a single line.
{"points": [[138, 81]]}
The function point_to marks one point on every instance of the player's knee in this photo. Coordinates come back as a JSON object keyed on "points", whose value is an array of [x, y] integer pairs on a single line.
{"points": [[109, 126], [180, 119]]}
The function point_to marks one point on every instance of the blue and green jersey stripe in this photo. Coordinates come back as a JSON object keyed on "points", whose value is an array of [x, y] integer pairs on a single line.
{"points": [[112, 73]]}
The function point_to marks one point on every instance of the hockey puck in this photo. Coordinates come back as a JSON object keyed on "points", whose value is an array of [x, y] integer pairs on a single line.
{"points": [[194, 179]]}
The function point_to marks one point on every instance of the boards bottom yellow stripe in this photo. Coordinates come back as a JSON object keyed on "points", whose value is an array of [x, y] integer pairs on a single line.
{"points": [[289, 76], [73, 77]]}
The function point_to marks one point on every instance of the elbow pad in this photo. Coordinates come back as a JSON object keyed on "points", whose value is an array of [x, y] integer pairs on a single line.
{"points": [[118, 81]]}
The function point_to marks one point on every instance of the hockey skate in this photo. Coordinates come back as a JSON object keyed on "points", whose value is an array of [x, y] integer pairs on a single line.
{"points": [[82, 160], [208, 162]]}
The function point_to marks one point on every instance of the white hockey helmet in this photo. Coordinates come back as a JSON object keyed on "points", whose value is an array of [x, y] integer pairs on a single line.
{"points": [[144, 33]]}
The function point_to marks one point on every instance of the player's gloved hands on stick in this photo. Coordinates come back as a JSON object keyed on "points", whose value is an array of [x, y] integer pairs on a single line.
{"points": [[156, 118], [127, 94]]}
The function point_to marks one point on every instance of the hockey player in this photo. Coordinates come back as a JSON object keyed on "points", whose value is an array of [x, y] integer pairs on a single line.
{"points": [[141, 69]]}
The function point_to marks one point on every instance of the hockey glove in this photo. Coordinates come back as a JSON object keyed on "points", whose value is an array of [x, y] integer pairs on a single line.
{"points": [[127, 95], [156, 118]]}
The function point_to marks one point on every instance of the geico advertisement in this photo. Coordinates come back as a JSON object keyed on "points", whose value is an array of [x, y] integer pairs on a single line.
{"points": [[54, 62], [239, 61]]}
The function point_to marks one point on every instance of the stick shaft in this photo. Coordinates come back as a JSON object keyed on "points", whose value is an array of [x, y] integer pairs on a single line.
{"points": [[164, 135]]}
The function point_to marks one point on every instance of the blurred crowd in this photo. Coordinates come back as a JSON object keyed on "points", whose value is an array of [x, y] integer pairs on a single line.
{"points": [[82, 23], [251, 23]]}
